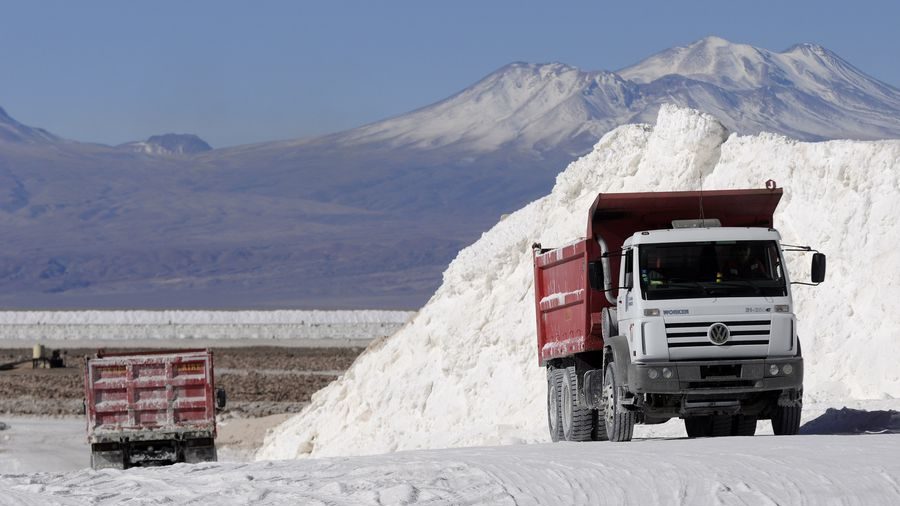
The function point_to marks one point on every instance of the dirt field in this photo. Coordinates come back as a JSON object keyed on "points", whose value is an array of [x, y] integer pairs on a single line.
{"points": [[259, 380]]}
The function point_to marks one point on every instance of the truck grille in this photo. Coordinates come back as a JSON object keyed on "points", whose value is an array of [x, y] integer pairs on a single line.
{"points": [[742, 333]]}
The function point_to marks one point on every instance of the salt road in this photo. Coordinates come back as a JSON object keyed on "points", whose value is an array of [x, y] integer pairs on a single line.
{"points": [[858, 469]]}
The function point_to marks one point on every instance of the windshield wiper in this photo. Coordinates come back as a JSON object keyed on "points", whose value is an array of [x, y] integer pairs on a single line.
{"points": [[742, 283], [688, 284]]}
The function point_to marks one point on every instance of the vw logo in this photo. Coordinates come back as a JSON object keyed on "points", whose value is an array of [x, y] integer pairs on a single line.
{"points": [[718, 333]]}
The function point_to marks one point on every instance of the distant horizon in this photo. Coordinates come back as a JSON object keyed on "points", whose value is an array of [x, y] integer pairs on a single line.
{"points": [[235, 74]]}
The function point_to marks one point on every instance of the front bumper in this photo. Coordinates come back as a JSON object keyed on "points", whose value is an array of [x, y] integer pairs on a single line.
{"points": [[715, 377]]}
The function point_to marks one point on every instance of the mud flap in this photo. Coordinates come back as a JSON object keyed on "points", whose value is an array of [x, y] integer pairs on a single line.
{"points": [[107, 457], [200, 450], [593, 388]]}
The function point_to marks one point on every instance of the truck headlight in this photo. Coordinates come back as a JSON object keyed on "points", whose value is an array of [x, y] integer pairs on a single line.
{"points": [[667, 373], [773, 370], [653, 373], [787, 369]]}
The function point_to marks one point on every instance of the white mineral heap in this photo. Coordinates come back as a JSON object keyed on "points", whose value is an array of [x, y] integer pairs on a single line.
{"points": [[465, 372]]}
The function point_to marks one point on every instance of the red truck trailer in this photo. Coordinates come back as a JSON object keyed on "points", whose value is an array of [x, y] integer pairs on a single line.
{"points": [[675, 304], [151, 408]]}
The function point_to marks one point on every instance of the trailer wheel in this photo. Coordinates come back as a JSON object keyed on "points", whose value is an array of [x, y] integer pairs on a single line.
{"points": [[619, 422], [577, 420], [786, 420], [554, 385]]}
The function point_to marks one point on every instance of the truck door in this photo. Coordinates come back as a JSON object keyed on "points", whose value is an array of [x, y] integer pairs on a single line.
{"points": [[625, 303]]}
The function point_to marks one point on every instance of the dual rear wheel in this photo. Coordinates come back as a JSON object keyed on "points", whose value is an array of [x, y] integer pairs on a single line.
{"points": [[570, 420]]}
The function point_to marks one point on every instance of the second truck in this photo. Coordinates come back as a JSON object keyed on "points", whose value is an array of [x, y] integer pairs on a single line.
{"points": [[674, 305], [151, 408]]}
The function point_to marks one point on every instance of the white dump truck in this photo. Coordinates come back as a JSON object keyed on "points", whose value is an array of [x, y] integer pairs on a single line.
{"points": [[675, 304]]}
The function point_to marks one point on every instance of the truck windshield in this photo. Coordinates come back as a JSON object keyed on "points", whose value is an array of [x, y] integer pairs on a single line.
{"points": [[711, 269]]}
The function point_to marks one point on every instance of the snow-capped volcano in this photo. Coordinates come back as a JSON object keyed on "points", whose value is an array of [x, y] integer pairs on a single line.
{"points": [[734, 66], [807, 91], [522, 105]]}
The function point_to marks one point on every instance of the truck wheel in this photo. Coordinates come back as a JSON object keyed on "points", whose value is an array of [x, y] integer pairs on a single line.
{"points": [[743, 425], [786, 420], [577, 421], [619, 422], [697, 426], [554, 385], [599, 423], [720, 425]]}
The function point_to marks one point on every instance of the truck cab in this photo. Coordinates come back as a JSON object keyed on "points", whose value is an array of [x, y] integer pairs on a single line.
{"points": [[678, 317], [707, 317]]}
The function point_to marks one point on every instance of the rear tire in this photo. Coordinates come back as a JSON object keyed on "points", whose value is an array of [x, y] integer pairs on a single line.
{"points": [[577, 421], [619, 422], [554, 385], [786, 420]]}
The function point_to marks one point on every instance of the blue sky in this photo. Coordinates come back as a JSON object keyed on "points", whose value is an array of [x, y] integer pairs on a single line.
{"points": [[240, 72]]}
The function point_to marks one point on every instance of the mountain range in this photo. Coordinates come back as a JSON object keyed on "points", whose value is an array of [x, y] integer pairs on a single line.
{"points": [[369, 217]]}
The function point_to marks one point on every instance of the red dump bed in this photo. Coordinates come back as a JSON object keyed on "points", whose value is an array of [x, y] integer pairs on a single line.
{"points": [[150, 394], [568, 311]]}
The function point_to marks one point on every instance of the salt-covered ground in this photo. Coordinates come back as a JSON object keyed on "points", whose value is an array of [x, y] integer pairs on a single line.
{"points": [[196, 328], [811, 470], [30, 444]]}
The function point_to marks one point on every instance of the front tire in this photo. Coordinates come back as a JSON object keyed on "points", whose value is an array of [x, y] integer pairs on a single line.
{"points": [[786, 420], [619, 421], [697, 426], [720, 425], [743, 425]]}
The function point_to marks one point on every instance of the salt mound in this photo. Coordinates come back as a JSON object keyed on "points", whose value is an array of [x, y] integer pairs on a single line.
{"points": [[464, 371]]}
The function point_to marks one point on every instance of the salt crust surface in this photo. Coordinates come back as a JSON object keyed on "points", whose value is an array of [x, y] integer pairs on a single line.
{"points": [[464, 371]]}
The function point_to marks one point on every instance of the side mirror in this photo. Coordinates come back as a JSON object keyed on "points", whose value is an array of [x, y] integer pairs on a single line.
{"points": [[817, 272], [221, 398], [595, 275]]}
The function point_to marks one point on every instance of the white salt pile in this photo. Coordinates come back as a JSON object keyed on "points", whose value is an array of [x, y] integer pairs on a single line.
{"points": [[464, 371]]}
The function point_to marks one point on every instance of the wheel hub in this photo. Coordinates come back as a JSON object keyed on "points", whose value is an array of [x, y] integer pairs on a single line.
{"points": [[554, 406], [566, 408], [609, 398]]}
